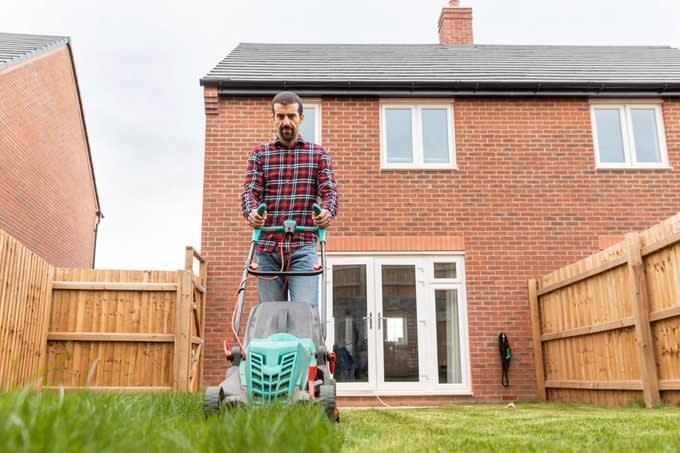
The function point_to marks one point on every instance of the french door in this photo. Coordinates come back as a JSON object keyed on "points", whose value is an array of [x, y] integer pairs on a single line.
{"points": [[398, 324]]}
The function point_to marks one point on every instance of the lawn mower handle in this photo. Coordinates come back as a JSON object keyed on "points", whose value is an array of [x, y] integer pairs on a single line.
{"points": [[320, 232], [287, 228]]}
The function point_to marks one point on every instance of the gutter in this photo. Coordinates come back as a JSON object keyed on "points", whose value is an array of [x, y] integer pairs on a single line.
{"points": [[452, 89], [100, 216]]}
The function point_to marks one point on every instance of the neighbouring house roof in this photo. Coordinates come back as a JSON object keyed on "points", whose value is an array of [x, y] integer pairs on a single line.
{"points": [[444, 70], [15, 48]]}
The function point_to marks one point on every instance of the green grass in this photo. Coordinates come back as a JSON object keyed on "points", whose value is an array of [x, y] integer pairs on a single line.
{"points": [[85, 422], [529, 427], [168, 423]]}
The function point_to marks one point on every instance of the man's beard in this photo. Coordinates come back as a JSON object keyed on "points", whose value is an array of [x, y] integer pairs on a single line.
{"points": [[287, 134]]}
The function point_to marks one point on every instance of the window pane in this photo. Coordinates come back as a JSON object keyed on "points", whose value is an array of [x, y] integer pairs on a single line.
{"points": [[435, 136], [398, 135], [609, 137], [308, 127], [448, 336], [444, 270], [646, 135]]}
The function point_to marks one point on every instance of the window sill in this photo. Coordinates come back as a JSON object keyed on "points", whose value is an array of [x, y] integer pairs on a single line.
{"points": [[634, 168], [429, 392], [401, 168]]}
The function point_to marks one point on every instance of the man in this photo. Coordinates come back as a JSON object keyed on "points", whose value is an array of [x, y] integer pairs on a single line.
{"points": [[289, 175]]}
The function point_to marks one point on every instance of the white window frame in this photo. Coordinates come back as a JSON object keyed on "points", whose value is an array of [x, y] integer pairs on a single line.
{"points": [[316, 103], [459, 284], [416, 108], [629, 154]]}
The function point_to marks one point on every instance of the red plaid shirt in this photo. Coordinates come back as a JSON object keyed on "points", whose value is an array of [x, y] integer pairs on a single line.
{"points": [[289, 182]]}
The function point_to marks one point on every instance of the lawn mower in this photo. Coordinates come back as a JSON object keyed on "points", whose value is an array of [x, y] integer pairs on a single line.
{"points": [[283, 356]]}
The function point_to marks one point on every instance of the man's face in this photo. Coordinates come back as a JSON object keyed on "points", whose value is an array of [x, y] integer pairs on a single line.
{"points": [[287, 122]]}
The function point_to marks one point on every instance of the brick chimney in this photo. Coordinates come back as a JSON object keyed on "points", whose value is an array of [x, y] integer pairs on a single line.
{"points": [[455, 24]]}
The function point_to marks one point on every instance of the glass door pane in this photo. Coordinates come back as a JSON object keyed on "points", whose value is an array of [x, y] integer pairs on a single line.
{"points": [[448, 336], [350, 322], [399, 324]]}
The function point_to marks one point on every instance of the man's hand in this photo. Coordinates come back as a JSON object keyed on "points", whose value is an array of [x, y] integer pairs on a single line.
{"points": [[323, 219], [256, 220]]}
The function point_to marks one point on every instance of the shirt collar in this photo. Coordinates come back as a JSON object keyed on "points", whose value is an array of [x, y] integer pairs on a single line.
{"points": [[300, 140]]}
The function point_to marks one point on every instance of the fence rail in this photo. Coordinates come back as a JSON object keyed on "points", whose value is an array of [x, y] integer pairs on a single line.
{"points": [[101, 329], [606, 329]]}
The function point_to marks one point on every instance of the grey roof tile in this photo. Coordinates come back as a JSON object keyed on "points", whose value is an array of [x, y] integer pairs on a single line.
{"points": [[16, 47], [445, 66]]}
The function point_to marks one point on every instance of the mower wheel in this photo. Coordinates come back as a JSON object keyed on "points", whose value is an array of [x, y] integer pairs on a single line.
{"points": [[328, 400], [212, 400]]}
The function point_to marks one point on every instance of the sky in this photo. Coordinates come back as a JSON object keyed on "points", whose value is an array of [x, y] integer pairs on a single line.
{"points": [[139, 63]]}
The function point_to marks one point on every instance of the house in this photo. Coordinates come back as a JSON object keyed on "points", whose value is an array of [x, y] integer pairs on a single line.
{"points": [[464, 170], [48, 193]]}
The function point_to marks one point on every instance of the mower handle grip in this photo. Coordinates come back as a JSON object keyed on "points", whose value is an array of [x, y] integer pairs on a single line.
{"points": [[321, 232], [263, 207]]}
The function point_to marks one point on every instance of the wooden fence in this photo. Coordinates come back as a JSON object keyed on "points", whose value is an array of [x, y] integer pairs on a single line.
{"points": [[606, 329], [24, 300], [100, 329]]}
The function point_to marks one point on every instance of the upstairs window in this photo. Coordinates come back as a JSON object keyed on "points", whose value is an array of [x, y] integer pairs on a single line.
{"points": [[311, 126], [417, 136], [628, 136]]}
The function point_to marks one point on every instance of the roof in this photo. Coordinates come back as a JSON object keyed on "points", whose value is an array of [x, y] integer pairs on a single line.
{"points": [[447, 69], [15, 48]]}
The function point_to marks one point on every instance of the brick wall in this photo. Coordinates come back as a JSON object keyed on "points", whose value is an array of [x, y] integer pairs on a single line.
{"points": [[526, 199], [47, 198]]}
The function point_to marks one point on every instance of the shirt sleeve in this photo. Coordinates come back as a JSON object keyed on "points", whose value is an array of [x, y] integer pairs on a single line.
{"points": [[253, 186], [327, 188]]}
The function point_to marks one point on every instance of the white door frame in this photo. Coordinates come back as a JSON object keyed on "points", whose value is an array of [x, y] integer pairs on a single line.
{"points": [[426, 285], [421, 322], [355, 388]]}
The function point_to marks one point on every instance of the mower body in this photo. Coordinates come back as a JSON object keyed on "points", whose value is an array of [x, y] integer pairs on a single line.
{"points": [[284, 361]]}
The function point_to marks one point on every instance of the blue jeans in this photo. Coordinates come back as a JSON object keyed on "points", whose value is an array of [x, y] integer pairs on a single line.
{"points": [[300, 288]]}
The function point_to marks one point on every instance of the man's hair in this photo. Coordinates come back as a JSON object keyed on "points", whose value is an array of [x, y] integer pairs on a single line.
{"points": [[287, 98]]}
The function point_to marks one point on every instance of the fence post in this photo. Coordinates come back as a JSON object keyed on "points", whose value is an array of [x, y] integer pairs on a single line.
{"points": [[182, 331], [643, 330], [536, 335], [189, 258], [47, 314]]}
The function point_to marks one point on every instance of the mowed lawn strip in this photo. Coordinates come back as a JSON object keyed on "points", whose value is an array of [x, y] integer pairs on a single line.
{"points": [[528, 427]]}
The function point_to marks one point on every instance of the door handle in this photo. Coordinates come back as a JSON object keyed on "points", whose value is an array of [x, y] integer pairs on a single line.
{"points": [[379, 321], [370, 320]]}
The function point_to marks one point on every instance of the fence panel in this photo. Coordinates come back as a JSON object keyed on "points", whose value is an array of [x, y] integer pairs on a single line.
{"points": [[607, 328], [101, 329], [24, 303], [112, 329]]}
